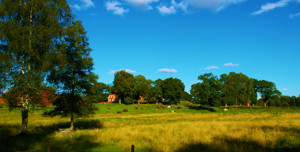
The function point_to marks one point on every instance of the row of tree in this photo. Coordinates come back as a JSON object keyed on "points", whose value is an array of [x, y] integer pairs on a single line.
{"points": [[237, 89], [131, 88]]}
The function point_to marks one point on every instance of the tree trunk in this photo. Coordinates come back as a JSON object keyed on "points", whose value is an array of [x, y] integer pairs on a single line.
{"points": [[72, 123], [267, 103], [24, 115]]}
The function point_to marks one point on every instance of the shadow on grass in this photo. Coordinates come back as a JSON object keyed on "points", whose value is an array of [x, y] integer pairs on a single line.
{"points": [[199, 107], [41, 138], [226, 144]]}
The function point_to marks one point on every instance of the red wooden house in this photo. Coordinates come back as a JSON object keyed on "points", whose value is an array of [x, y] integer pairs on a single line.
{"points": [[47, 98], [112, 98]]}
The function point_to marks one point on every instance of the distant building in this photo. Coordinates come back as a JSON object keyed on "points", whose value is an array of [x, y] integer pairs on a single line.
{"points": [[112, 98]]}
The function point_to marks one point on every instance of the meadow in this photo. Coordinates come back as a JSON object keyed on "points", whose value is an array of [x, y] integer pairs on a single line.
{"points": [[151, 128]]}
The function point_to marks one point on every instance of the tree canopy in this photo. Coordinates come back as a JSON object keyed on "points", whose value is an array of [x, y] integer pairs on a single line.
{"points": [[30, 32]]}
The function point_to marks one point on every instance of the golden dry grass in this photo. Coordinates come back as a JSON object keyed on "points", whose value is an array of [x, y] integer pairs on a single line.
{"points": [[175, 131]]}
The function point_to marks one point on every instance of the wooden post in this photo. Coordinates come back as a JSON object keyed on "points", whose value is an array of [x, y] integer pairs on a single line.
{"points": [[132, 148]]}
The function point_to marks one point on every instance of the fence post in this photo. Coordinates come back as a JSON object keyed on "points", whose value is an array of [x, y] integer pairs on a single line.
{"points": [[132, 148]]}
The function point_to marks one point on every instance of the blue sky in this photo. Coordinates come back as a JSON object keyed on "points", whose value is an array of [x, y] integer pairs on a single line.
{"points": [[187, 38]]}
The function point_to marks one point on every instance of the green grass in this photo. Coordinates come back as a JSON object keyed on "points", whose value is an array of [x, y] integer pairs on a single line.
{"points": [[191, 128]]}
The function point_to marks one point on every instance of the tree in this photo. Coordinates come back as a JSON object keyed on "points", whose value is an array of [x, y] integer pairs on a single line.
{"points": [[238, 88], [267, 90], [156, 91], [123, 85], [73, 75], [99, 92], [208, 91], [172, 89], [142, 87], [30, 31]]}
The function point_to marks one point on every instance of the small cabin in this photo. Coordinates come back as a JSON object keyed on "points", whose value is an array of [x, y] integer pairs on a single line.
{"points": [[112, 98]]}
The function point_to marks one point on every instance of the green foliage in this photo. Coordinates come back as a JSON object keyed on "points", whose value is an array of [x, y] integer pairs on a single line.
{"points": [[208, 91], [123, 84], [238, 89], [129, 100], [142, 87], [172, 89], [68, 105], [30, 33], [267, 90], [73, 75]]}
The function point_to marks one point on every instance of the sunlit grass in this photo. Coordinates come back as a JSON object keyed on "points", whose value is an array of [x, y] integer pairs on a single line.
{"points": [[158, 130]]}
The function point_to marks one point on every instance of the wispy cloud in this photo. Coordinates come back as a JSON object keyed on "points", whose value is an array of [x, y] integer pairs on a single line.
{"points": [[270, 6], [166, 10], [286, 89], [216, 5], [141, 4], [211, 67], [116, 8], [83, 5], [295, 15], [230, 65], [126, 70], [165, 70]]}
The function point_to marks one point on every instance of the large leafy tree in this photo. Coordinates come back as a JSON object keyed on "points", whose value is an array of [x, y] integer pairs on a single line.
{"points": [[238, 88], [29, 33], [123, 85], [73, 75], [142, 87], [172, 89], [267, 90], [156, 91], [208, 91]]}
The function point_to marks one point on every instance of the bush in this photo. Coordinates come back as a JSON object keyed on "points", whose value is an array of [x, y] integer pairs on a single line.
{"points": [[285, 104], [125, 110], [128, 100], [118, 112], [179, 107]]}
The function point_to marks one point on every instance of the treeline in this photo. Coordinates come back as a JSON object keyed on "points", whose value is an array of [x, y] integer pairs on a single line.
{"points": [[130, 89], [225, 90], [238, 89]]}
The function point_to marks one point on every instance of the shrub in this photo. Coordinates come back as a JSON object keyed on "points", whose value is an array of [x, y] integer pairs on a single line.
{"points": [[157, 107], [118, 112], [136, 108], [108, 108], [125, 110], [142, 108], [179, 107], [128, 100], [162, 107]]}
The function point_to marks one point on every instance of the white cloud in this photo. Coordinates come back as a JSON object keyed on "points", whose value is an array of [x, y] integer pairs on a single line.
{"points": [[270, 6], [166, 10], [211, 67], [126, 70], [216, 5], [165, 70], [84, 5], [142, 4], [286, 89], [295, 15], [116, 8], [230, 65]]}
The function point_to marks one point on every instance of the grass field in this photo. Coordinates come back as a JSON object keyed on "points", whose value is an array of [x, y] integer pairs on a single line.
{"points": [[190, 128]]}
